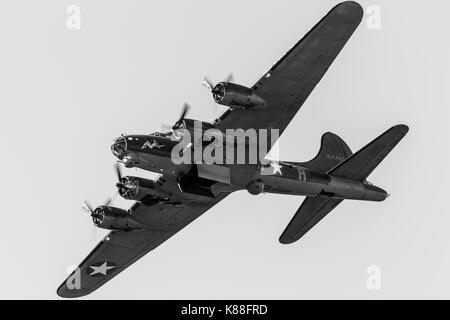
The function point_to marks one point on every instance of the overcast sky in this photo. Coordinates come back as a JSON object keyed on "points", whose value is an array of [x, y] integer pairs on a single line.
{"points": [[65, 94]]}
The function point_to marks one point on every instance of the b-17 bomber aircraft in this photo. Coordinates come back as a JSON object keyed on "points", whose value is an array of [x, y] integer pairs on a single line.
{"points": [[184, 191]]}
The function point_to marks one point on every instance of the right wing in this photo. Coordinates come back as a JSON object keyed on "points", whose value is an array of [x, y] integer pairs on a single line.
{"points": [[287, 85], [120, 249], [312, 210]]}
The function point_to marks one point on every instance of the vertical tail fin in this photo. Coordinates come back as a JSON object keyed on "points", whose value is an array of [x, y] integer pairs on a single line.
{"points": [[333, 150]]}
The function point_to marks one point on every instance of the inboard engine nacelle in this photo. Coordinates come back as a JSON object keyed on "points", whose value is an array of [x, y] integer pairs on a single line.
{"points": [[135, 188], [236, 96]]}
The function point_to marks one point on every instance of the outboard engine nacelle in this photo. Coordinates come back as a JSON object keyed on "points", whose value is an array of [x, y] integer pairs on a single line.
{"points": [[112, 218], [236, 96]]}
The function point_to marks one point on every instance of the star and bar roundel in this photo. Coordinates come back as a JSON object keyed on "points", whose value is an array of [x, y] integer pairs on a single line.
{"points": [[100, 269]]}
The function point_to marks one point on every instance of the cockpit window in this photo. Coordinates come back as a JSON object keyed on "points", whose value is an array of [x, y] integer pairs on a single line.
{"points": [[162, 134]]}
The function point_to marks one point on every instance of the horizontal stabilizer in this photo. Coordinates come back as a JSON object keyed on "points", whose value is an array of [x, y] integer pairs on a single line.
{"points": [[312, 210], [361, 164]]}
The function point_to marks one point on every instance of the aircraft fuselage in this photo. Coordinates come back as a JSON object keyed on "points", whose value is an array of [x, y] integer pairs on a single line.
{"points": [[154, 152]]}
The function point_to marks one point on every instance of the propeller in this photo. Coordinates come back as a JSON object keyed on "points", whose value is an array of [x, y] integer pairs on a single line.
{"points": [[124, 185], [207, 83], [230, 78], [184, 111], [87, 207], [121, 183], [108, 201], [118, 171], [177, 125], [96, 215]]}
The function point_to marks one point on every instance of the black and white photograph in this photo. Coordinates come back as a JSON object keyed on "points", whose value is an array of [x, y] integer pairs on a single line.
{"points": [[212, 151]]}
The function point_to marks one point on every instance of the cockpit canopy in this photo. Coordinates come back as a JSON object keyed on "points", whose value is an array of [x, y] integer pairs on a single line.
{"points": [[162, 134]]}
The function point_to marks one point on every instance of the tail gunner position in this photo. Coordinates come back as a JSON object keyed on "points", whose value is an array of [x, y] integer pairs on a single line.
{"points": [[185, 191]]}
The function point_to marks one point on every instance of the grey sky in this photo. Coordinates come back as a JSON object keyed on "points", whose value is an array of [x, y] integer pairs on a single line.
{"points": [[66, 94]]}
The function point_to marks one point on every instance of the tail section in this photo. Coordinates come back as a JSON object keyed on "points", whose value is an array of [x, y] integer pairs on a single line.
{"points": [[356, 167], [360, 165], [333, 150]]}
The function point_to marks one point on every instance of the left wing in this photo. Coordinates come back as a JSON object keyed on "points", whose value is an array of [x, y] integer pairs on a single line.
{"points": [[120, 249]]}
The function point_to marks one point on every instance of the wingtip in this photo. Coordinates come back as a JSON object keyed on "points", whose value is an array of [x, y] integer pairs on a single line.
{"points": [[64, 292], [351, 8], [403, 128], [286, 240]]}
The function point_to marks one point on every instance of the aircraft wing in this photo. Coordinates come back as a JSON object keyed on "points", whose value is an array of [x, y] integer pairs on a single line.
{"points": [[289, 82], [120, 249]]}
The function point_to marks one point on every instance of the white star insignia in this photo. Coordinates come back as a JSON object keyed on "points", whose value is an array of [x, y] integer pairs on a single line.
{"points": [[103, 269], [276, 167]]}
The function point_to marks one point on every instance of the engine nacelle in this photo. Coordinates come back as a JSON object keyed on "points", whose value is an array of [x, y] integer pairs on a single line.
{"points": [[236, 96], [112, 218], [135, 188]]}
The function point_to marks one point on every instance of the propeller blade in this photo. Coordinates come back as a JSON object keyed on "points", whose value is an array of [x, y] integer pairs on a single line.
{"points": [[86, 206], [108, 201], [184, 111], [207, 83], [230, 78], [118, 171]]}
